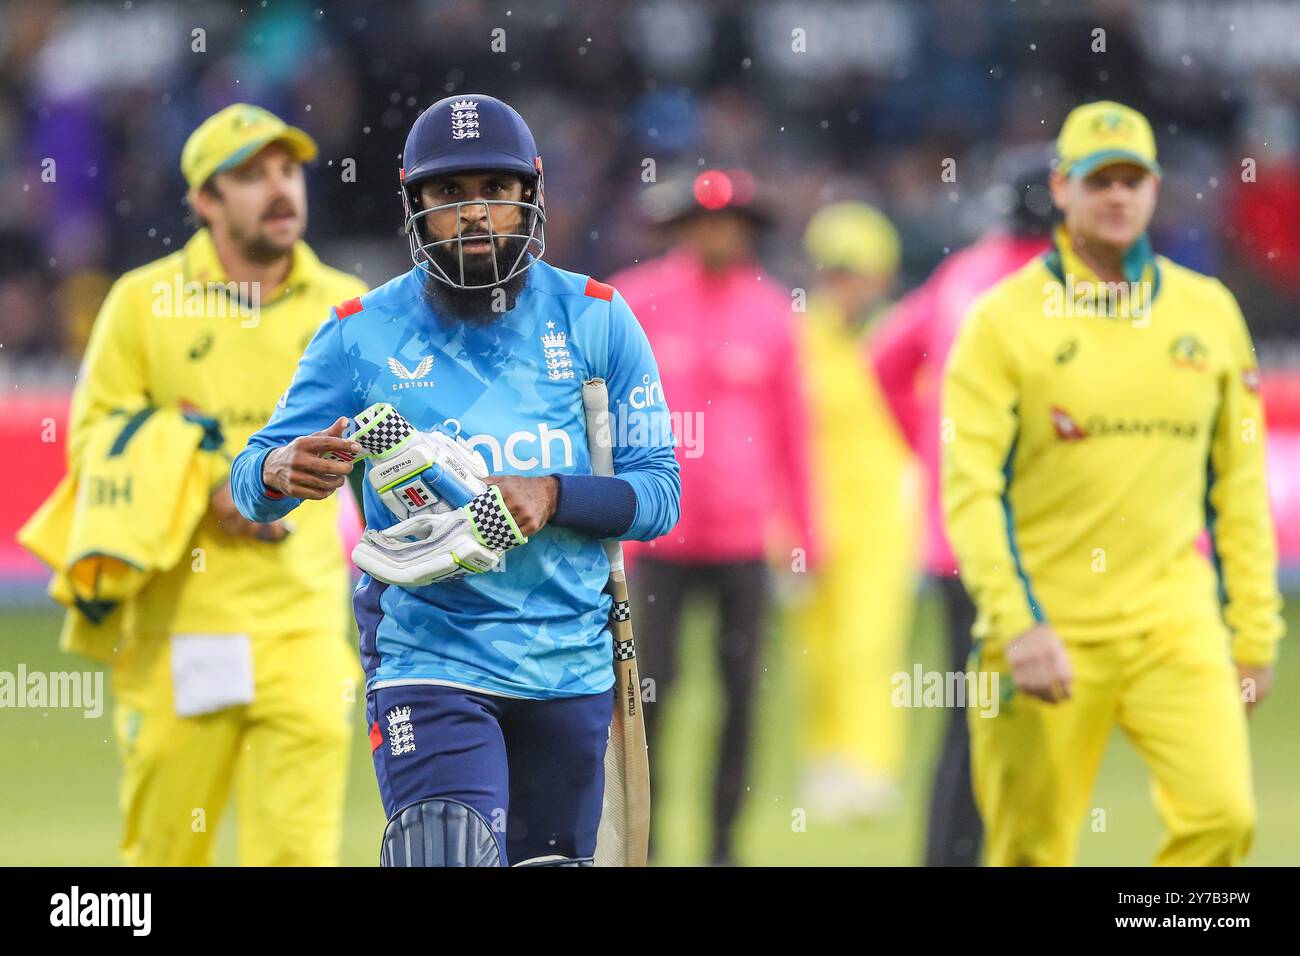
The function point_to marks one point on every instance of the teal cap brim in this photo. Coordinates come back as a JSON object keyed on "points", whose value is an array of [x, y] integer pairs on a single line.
{"points": [[242, 154], [1091, 163], [302, 146]]}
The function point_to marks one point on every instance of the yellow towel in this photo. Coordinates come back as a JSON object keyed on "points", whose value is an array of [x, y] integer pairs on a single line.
{"points": [[143, 485]]}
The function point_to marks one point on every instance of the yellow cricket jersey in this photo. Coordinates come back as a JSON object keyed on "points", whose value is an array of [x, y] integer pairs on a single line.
{"points": [[177, 332], [1091, 433], [859, 452]]}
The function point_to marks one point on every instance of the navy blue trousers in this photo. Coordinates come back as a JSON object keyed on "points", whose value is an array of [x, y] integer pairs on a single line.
{"points": [[534, 769]]}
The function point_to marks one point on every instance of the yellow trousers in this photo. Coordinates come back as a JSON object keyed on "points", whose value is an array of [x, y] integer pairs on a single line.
{"points": [[285, 755], [1175, 693], [851, 639], [851, 631]]}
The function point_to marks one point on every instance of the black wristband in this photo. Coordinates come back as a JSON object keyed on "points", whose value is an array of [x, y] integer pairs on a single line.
{"points": [[603, 507]]}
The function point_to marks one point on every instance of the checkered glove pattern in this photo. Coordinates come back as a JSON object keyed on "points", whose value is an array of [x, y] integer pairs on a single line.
{"points": [[388, 431], [492, 520]]}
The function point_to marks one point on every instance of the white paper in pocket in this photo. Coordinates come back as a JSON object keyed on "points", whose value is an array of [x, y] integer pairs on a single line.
{"points": [[211, 672]]}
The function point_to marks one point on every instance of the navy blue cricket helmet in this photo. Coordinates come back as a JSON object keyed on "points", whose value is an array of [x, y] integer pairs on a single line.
{"points": [[473, 132]]}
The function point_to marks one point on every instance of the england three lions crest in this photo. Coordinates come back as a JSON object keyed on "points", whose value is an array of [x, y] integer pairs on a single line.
{"points": [[464, 119], [555, 348], [401, 735]]}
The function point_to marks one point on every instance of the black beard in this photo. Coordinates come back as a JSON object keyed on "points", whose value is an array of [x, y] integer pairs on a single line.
{"points": [[476, 305]]}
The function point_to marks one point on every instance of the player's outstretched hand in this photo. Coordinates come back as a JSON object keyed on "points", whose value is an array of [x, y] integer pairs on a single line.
{"points": [[1039, 664], [298, 470], [1256, 682], [531, 500], [233, 523]]}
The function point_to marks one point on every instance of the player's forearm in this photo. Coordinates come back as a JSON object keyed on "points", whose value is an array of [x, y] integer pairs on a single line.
{"points": [[598, 506], [253, 498], [972, 489], [658, 500]]}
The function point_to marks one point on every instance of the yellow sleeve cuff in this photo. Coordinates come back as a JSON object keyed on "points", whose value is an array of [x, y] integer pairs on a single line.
{"points": [[1254, 652]]}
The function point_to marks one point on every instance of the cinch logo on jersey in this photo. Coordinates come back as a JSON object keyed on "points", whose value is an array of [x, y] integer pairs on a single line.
{"points": [[401, 735], [646, 394], [1098, 426], [103, 909], [543, 438], [411, 378]]}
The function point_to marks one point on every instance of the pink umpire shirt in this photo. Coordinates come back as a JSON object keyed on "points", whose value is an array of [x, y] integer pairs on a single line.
{"points": [[726, 350]]}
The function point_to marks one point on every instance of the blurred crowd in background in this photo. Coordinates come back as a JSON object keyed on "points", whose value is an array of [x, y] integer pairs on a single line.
{"points": [[820, 100]]}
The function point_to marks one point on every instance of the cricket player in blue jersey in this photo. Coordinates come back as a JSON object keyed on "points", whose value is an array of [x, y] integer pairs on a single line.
{"points": [[483, 623]]}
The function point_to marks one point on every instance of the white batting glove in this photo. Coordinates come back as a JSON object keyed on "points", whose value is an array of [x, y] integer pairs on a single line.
{"points": [[430, 548], [412, 471]]}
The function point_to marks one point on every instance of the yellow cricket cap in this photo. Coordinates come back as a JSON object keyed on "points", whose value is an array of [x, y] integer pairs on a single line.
{"points": [[853, 236], [226, 139], [1102, 133]]}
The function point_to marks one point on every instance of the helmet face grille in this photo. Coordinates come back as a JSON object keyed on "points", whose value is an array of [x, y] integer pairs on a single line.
{"points": [[533, 247]]}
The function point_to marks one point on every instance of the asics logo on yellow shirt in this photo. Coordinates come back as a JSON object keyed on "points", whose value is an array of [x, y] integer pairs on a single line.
{"points": [[201, 347]]}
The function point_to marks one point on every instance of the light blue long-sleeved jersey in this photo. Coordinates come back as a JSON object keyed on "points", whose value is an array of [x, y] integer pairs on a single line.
{"points": [[537, 626]]}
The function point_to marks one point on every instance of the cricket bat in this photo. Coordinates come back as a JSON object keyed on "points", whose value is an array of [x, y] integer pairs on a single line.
{"points": [[624, 834]]}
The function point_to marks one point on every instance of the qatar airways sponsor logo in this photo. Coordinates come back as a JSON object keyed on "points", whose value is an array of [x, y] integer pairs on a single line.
{"points": [[1067, 428]]}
